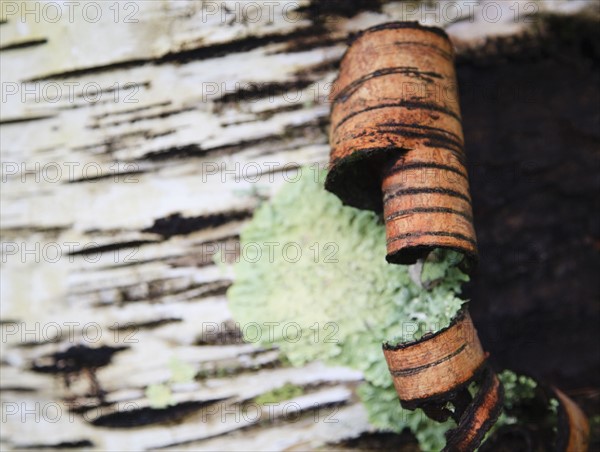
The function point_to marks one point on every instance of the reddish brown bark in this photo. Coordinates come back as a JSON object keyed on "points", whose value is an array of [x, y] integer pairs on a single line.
{"points": [[395, 121], [436, 364]]}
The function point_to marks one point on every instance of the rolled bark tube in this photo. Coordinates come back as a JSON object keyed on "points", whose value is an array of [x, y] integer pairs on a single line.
{"points": [[395, 111], [425, 205], [429, 369], [437, 370]]}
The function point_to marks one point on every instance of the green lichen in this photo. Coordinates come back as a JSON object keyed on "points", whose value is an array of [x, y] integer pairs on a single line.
{"points": [[160, 395], [286, 392], [313, 276], [516, 387], [181, 372]]}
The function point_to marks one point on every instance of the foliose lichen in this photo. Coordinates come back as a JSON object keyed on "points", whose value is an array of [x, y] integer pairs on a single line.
{"points": [[313, 276]]}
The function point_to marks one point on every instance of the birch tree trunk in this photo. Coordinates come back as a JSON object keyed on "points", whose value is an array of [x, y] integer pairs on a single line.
{"points": [[136, 139]]}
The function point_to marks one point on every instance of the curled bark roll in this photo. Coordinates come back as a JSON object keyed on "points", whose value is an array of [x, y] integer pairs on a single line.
{"points": [[436, 370], [397, 143], [431, 368]]}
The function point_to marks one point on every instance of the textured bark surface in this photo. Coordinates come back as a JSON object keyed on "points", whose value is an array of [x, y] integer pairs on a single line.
{"points": [[135, 285]]}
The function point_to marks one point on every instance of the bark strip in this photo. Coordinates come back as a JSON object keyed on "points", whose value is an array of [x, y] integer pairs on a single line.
{"points": [[437, 364], [397, 143], [573, 426]]}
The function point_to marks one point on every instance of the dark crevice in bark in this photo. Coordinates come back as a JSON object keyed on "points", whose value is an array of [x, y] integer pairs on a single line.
{"points": [[20, 389], [155, 290], [150, 325], [161, 115], [194, 150], [315, 411], [77, 358], [175, 152], [321, 68], [11, 121], [253, 92], [112, 143], [331, 10], [84, 443], [112, 175], [233, 368], [133, 110], [186, 56], [312, 42], [110, 247], [176, 224], [225, 333], [267, 114], [150, 416], [24, 44], [125, 87]]}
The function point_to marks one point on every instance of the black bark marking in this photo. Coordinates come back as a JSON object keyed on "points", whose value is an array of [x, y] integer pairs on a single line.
{"points": [[78, 358], [161, 115], [115, 176], [350, 89], [402, 213], [149, 416], [84, 443], [415, 370], [133, 110], [150, 325], [186, 56], [410, 105], [24, 44], [110, 247], [10, 121], [194, 150], [392, 193], [262, 90], [424, 165], [176, 224], [432, 233]]}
